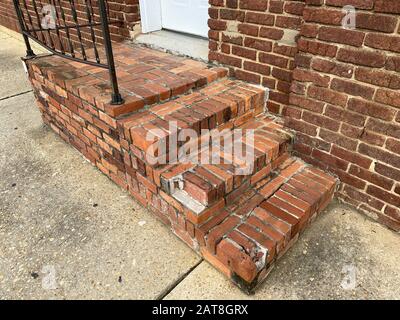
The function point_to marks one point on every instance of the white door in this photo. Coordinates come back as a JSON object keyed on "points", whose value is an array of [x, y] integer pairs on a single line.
{"points": [[189, 16]]}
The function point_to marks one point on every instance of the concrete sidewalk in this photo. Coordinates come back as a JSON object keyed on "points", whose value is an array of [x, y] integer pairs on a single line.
{"points": [[68, 232]]}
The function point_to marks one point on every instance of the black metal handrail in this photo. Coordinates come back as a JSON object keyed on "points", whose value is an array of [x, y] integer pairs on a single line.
{"points": [[57, 26]]}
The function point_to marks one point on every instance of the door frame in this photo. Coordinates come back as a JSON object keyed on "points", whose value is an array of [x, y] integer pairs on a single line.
{"points": [[150, 15]]}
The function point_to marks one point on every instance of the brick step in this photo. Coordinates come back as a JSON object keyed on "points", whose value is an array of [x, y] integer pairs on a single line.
{"points": [[245, 238], [241, 223], [225, 104], [201, 187], [202, 190], [145, 77]]}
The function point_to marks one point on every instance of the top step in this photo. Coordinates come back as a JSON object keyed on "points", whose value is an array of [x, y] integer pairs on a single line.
{"points": [[145, 77]]}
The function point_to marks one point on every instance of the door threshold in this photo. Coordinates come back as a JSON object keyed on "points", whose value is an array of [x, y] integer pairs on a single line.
{"points": [[176, 43]]}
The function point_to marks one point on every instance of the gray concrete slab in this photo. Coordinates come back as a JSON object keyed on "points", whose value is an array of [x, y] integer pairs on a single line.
{"points": [[66, 230], [343, 255], [12, 76]]}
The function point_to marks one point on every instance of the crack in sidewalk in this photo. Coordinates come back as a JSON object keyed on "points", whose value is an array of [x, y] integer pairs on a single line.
{"points": [[15, 95], [171, 287]]}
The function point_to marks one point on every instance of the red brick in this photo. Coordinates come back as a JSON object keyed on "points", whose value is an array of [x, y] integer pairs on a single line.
{"points": [[205, 214], [249, 206], [310, 76], [216, 24], [382, 194], [273, 59], [362, 57], [248, 29], [385, 128], [323, 16], [359, 4], [380, 111], [384, 42], [295, 8], [388, 97], [327, 95], [332, 67], [329, 160], [387, 6], [258, 5], [343, 36], [301, 214], [378, 78], [279, 225], [371, 177], [259, 18], [248, 76], [258, 44], [239, 261], [276, 6], [249, 246], [288, 22], [271, 33], [376, 22], [301, 126], [217, 233], [379, 154], [352, 88], [259, 237], [199, 189], [282, 215], [363, 197], [268, 231], [203, 229], [220, 173], [351, 156]]}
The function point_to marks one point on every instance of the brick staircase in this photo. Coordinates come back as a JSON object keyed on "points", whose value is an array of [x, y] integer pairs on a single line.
{"points": [[240, 216]]}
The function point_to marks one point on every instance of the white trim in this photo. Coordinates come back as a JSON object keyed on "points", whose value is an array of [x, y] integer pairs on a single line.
{"points": [[150, 15]]}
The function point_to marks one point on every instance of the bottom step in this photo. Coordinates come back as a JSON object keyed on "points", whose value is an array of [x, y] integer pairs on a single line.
{"points": [[244, 239]]}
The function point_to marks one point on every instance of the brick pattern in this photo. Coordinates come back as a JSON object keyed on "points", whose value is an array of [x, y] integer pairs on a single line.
{"points": [[7, 15], [219, 108], [337, 88], [241, 223], [262, 222], [145, 77], [257, 40], [345, 102], [207, 186], [126, 11]]}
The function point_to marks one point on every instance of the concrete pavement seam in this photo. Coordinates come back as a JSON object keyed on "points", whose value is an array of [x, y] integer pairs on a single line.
{"points": [[168, 290], [15, 95]]}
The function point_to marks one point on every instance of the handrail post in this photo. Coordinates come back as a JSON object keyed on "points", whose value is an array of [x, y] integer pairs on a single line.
{"points": [[29, 51], [115, 96]]}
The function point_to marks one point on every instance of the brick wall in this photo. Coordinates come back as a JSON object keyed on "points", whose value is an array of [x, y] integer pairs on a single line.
{"points": [[7, 15], [345, 101], [257, 39], [338, 88], [126, 11]]}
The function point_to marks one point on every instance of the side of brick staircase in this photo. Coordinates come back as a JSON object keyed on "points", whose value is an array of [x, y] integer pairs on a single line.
{"points": [[240, 222]]}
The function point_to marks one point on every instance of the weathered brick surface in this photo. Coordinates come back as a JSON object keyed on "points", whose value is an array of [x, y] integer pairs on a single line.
{"points": [[338, 88], [248, 246], [257, 39], [240, 222], [345, 101]]}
